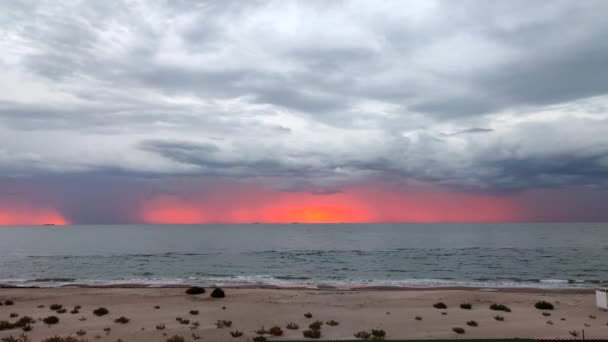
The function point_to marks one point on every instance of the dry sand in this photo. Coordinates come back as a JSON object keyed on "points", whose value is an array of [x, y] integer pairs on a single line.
{"points": [[250, 309]]}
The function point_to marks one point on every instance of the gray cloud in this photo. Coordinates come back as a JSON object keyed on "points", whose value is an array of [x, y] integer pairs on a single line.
{"points": [[308, 95]]}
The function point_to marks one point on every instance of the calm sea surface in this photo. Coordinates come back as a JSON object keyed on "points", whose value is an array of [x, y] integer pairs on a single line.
{"points": [[493, 255]]}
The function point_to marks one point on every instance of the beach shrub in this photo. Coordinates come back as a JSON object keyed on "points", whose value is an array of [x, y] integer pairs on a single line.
{"points": [[217, 293], [82, 319], [332, 323], [184, 321], [546, 314], [592, 316], [23, 321], [444, 313], [194, 312], [312, 333], [160, 327], [587, 325], [499, 318], [564, 318], [316, 325], [78, 307], [418, 318], [27, 328], [574, 333], [308, 315], [175, 338], [41, 306], [223, 324], [500, 307], [542, 305], [550, 322], [261, 331], [156, 307], [10, 338], [259, 339], [472, 323], [122, 320], [63, 339], [466, 306], [14, 314], [101, 312], [292, 326], [50, 320], [378, 333], [81, 332], [9, 302], [236, 333], [195, 325], [195, 290], [74, 311], [61, 311], [276, 331], [195, 336], [458, 330], [440, 305], [56, 307], [5, 325], [363, 334]]}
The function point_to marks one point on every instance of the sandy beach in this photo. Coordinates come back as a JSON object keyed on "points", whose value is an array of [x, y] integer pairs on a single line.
{"points": [[394, 311]]}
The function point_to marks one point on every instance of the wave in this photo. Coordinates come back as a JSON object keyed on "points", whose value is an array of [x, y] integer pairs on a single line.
{"points": [[302, 282]]}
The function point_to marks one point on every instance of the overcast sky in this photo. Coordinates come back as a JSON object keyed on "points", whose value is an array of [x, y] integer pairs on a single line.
{"points": [[107, 104]]}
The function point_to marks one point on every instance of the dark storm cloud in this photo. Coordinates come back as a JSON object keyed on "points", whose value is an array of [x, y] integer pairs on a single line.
{"points": [[312, 95]]}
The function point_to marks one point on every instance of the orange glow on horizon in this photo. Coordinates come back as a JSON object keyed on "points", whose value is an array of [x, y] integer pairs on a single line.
{"points": [[30, 217], [355, 205]]}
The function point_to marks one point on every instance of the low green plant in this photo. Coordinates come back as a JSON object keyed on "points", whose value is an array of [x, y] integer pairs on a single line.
{"points": [[308, 315], [312, 333], [50, 320], [101, 311], [543, 305], [472, 323], [332, 323], [292, 326], [175, 338], [418, 318], [500, 307], [378, 333], [499, 318], [440, 305], [122, 320], [194, 312], [315, 325], [236, 333], [223, 324], [363, 334], [458, 330], [160, 326], [56, 307], [466, 306], [276, 331]]}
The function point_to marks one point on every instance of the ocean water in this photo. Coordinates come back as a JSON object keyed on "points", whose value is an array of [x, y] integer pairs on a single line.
{"points": [[342, 255]]}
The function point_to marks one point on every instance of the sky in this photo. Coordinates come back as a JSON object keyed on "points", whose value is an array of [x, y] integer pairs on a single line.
{"points": [[178, 111]]}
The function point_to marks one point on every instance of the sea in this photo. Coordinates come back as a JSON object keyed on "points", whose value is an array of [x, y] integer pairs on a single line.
{"points": [[526, 255]]}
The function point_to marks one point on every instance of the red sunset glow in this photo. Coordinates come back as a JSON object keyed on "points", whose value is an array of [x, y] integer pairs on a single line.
{"points": [[24, 216], [363, 204]]}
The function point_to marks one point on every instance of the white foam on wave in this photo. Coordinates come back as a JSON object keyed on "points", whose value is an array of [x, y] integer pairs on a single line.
{"points": [[268, 280]]}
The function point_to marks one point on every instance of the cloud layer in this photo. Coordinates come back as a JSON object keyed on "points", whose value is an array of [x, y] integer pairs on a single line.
{"points": [[489, 98]]}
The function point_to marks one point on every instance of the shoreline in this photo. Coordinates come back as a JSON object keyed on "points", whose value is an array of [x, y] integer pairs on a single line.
{"points": [[574, 290]]}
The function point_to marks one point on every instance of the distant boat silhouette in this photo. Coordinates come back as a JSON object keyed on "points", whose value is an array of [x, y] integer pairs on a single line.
{"points": [[49, 224]]}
